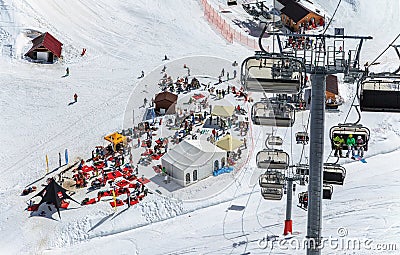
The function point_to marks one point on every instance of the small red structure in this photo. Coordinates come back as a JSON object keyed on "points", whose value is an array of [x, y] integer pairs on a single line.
{"points": [[45, 48]]}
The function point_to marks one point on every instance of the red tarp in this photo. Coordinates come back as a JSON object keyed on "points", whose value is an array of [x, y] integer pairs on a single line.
{"points": [[156, 157], [143, 181], [122, 183], [198, 96], [86, 169], [33, 207], [90, 201], [113, 175], [119, 203], [64, 204]]}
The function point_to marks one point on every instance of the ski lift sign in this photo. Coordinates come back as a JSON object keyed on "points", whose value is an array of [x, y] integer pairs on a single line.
{"points": [[339, 31]]}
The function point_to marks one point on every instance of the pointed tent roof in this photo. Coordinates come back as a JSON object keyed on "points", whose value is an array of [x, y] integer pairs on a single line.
{"points": [[115, 138], [223, 111], [229, 143], [166, 96], [54, 193], [49, 42]]}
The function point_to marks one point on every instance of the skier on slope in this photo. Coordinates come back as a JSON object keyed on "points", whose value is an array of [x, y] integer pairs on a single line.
{"points": [[75, 97]]}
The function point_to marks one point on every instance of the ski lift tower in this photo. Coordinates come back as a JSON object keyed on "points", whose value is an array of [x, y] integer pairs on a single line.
{"points": [[322, 54]]}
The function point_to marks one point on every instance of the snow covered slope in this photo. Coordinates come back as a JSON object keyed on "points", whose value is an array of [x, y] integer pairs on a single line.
{"points": [[122, 38]]}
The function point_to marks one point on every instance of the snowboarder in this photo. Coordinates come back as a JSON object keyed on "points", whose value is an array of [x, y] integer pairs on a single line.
{"points": [[164, 68], [350, 142], [165, 57], [234, 74], [75, 97], [144, 102], [227, 76], [223, 72], [360, 146]]}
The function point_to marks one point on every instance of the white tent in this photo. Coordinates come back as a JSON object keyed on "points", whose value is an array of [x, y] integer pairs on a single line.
{"points": [[223, 110], [193, 160]]}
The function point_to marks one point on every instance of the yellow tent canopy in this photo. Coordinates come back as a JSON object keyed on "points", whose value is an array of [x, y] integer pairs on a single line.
{"points": [[223, 111], [115, 138], [229, 143]]}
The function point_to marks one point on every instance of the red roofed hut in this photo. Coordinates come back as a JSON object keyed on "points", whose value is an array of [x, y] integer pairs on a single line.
{"points": [[45, 48]]}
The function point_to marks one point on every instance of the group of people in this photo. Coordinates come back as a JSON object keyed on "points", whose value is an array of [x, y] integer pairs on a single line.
{"points": [[227, 75], [351, 143], [181, 85]]}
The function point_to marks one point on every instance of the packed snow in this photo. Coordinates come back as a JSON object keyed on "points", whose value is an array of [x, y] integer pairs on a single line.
{"points": [[123, 38]]}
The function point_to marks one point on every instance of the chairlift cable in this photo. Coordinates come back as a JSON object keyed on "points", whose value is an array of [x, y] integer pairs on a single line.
{"points": [[353, 105], [334, 13], [383, 52]]}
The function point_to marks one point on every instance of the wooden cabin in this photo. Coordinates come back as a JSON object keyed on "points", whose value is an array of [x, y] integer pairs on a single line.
{"points": [[294, 15], [46, 49]]}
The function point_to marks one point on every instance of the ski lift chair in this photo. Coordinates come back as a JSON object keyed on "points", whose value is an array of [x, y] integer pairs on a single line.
{"points": [[273, 113], [272, 159], [380, 95], [332, 106], [273, 74], [303, 200], [334, 174], [303, 169], [272, 179], [302, 138], [232, 2], [273, 141], [346, 129], [272, 193], [327, 191]]}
